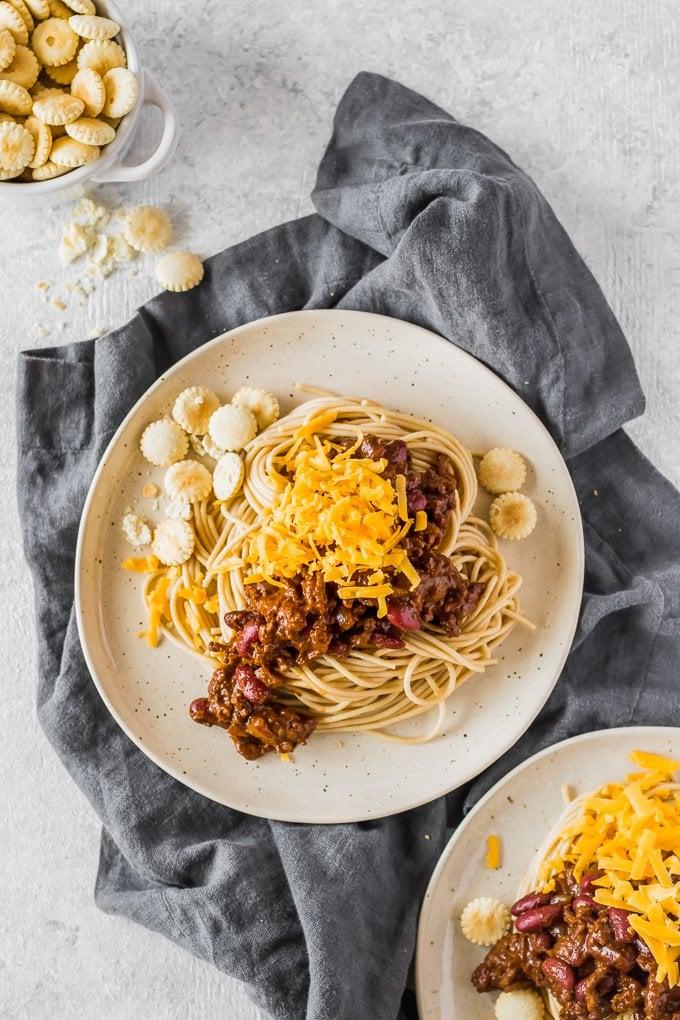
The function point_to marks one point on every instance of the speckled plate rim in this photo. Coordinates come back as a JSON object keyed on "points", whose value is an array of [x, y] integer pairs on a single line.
{"points": [[437, 899], [335, 319]]}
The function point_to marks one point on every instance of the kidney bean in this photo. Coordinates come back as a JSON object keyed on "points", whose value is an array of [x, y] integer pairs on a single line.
{"points": [[199, 710], [247, 637], [580, 991], [404, 617], [642, 947], [561, 972], [619, 921], [586, 884], [528, 902], [396, 452], [253, 689], [538, 918], [582, 904], [386, 641], [415, 501]]}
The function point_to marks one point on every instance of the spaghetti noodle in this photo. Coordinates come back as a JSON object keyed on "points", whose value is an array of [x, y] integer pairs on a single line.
{"points": [[367, 689]]}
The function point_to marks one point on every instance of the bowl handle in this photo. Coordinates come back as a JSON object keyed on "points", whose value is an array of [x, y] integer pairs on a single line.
{"points": [[154, 96]]}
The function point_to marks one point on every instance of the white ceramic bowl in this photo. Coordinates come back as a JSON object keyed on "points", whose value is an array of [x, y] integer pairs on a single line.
{"points": [[109, 166]]}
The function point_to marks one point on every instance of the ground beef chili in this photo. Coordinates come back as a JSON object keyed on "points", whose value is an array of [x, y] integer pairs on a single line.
{"points": [[241, 703], [585, 954], [296, 623]]}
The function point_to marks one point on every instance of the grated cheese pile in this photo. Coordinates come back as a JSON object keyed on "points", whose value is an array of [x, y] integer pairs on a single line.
{"points": [[334, 514], [631, 832]]}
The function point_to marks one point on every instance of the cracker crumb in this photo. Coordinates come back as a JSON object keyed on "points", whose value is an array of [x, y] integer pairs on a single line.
{"points": [[94, 236], [91, 211], [136, 529], [85, 286], [101, 248], [76, 239]]}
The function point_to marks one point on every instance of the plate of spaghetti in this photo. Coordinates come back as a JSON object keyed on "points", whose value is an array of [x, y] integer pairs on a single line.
{"points": [[319, 578], [575, 914]]}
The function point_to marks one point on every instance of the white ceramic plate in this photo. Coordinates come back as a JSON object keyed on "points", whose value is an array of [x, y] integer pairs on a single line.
{"points": [[148, 691], [521, 809]]}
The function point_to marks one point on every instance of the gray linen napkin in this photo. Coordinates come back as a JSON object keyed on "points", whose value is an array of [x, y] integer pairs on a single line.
{"points": [[427, 220]]}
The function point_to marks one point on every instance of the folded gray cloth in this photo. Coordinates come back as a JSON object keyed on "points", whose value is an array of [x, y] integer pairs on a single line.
{"points": [[426, 220]]}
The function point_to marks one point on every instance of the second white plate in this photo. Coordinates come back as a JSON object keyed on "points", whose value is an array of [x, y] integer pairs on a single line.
{"points": [[521, 809]]}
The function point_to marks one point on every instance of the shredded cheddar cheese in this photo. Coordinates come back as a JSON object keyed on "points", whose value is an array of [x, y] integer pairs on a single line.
{"points": [[142, 564], [654, 762], [493, 851], [194, 594], [630, 832], [400, 486], [157, 602], [335, 514]]}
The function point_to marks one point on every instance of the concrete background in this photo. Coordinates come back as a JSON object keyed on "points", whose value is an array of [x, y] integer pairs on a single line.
{"points": [[584, 95]]}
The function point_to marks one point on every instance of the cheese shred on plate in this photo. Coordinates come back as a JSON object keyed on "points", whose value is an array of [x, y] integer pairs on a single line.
{"points": [[630, 831], [159, 609], [334, 514], [493, 851]]}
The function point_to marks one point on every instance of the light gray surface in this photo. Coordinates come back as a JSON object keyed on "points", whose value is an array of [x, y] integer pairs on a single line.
{"points": [[585, 97]]}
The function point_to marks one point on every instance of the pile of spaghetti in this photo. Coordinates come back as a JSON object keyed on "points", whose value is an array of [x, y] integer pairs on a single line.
{"points": [[348, 574], [598, 919]]}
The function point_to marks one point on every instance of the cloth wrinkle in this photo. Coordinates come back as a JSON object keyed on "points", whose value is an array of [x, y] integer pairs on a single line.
{"points": [[551, 322], [381, 218]]}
